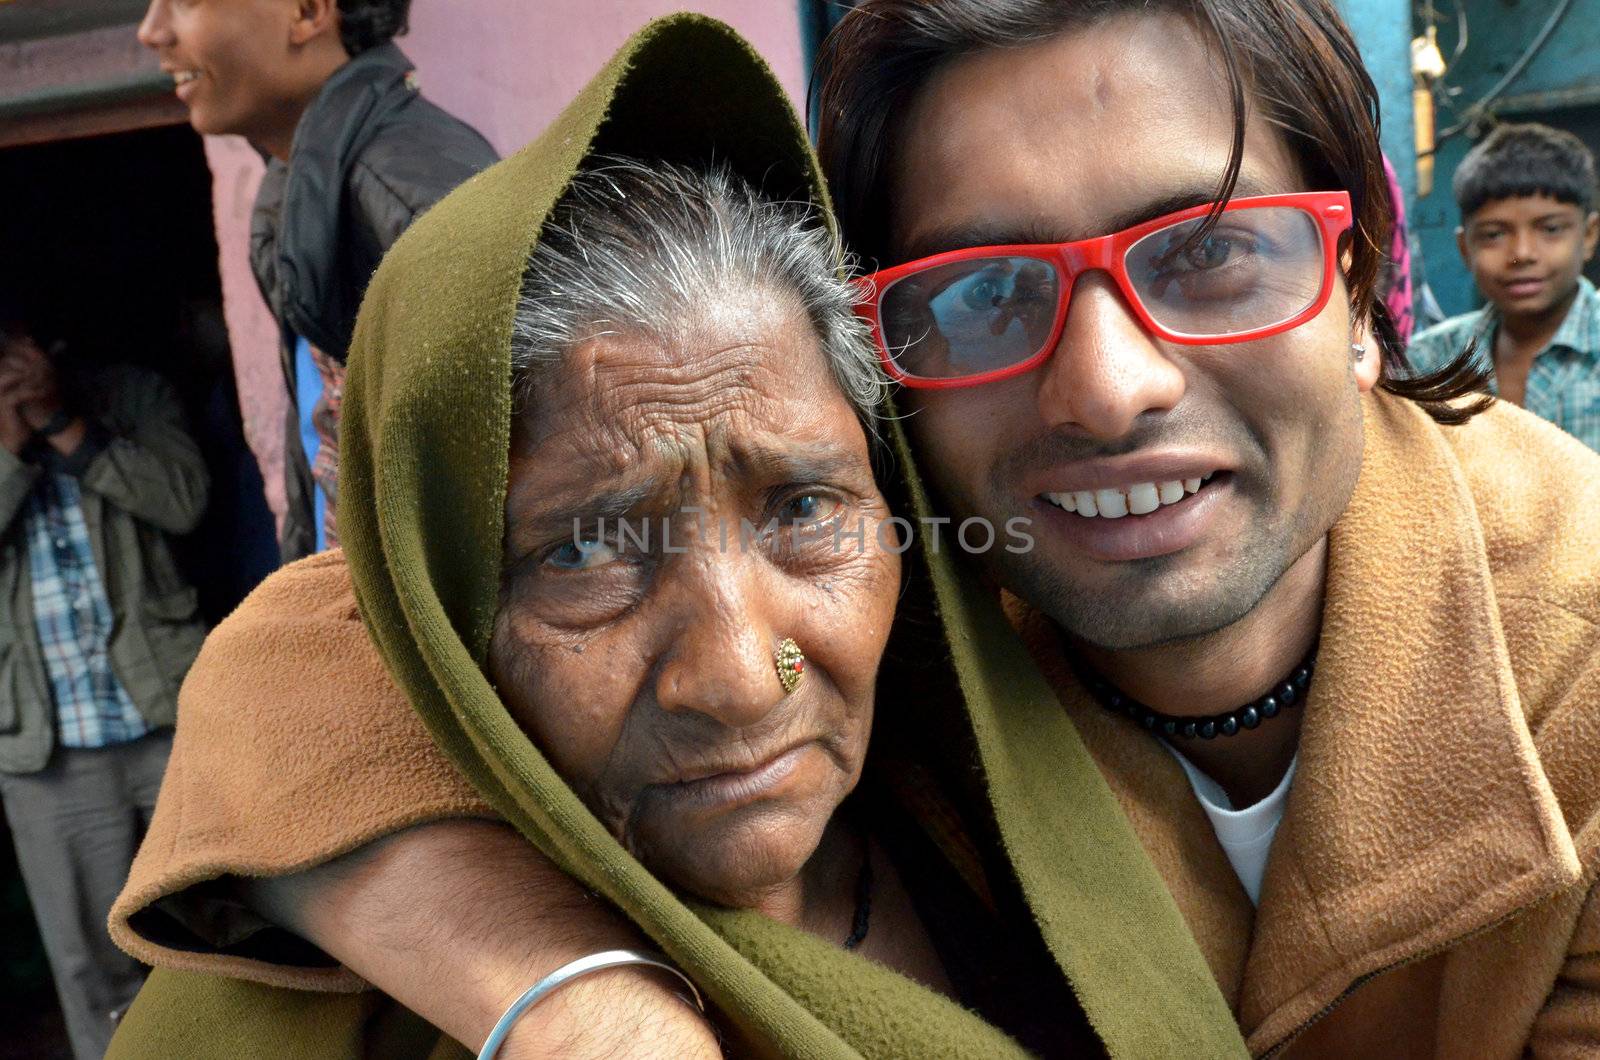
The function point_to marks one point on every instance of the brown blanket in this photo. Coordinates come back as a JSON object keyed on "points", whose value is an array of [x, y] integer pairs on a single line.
{"points": [[1444, 834], [278, 766], [1431, 889]]}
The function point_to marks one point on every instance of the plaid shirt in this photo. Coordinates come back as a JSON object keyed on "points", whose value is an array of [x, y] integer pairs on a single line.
{"points": [[1564, 381], [73, 617]]}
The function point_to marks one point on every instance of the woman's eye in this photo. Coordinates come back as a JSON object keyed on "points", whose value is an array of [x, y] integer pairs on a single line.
{"points": [[807, 508], [585, 554]]}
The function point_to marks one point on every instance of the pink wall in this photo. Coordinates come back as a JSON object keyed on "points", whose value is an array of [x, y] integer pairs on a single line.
{"points": [[235, 172], [506, 66]]}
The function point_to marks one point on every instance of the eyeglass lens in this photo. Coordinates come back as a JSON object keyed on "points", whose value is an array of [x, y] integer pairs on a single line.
{"points": [[1257, 267]]}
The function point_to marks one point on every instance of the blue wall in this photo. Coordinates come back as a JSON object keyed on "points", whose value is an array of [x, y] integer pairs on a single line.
{"points": [[1382, 30]]}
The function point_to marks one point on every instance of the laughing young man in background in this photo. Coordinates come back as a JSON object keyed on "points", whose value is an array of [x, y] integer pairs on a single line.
{"points": [[354, 154]]}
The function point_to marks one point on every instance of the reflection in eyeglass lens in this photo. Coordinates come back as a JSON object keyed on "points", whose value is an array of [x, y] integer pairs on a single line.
{"points": [[970, 316]]}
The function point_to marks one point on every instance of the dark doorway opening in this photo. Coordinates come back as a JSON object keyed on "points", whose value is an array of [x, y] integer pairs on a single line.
{"points": [[112, 237], [109, 240], [34, 1029]]}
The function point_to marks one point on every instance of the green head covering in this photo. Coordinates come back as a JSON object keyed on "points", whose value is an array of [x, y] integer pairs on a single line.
{"points": [[424, 445]]}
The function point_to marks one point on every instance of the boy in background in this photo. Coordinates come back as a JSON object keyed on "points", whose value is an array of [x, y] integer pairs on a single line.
{"points": [[1528, 225]]}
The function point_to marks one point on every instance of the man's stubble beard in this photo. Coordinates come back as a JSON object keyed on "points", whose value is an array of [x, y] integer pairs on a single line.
{"points": [[1115, 620], [1173, 598], [1209, 598]]}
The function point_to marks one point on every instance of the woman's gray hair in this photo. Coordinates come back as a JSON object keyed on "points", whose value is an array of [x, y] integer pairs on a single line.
{"points": [[640, 247]]}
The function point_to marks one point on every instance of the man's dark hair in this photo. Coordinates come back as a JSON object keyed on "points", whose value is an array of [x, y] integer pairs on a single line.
{"points": [[1296, 58], [366, 24], [1517, 161]]}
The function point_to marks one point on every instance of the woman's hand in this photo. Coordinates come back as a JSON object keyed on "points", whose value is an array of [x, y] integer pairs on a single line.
{"points": [[455, 919]]}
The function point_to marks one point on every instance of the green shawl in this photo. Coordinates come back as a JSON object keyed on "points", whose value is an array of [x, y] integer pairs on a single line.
{"points": [[429, 388]]}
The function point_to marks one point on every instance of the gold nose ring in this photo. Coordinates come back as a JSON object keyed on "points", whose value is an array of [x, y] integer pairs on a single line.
{"points": [[791, 664]]}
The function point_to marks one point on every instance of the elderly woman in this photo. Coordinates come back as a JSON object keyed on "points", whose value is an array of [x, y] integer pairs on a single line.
{"points": [[685, 438]]}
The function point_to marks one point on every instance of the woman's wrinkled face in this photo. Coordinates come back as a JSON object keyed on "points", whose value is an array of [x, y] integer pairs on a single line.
{"points": [[675, 512]]}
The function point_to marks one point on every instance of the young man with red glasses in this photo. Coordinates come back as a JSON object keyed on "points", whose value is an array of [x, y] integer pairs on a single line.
{"points": [[1327, 631], [1402, 863]]}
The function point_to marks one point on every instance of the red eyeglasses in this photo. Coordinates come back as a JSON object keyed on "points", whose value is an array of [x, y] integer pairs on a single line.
{"points": [[969, 317]]}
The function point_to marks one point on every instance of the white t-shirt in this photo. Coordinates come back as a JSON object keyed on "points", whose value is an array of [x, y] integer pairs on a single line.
{"points": [[1246, 835]]}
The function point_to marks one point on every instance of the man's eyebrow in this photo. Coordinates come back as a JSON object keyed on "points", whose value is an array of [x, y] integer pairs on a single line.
{"points": [[997, 234]]}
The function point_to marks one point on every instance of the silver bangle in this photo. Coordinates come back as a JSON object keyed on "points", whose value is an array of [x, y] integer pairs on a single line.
{"points": [[594, 962]]}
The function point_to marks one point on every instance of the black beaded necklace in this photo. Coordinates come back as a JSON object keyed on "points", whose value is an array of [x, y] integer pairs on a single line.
{"points": [[1290, 692]]}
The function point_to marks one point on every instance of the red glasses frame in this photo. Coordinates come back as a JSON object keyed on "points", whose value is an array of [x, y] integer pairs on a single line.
{"points": [[1330, 209]]}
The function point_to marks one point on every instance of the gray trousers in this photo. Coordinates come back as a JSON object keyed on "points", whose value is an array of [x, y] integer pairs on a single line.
{"points": [[76, 824]]}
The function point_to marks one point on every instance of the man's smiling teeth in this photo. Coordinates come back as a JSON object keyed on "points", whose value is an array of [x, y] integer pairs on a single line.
{"points": [[1141, 499], [183, 77]]}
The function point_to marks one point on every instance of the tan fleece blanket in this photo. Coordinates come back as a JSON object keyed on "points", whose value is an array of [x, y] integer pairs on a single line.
{"points": [[1443, 841], [293, 746], [1431, 889]]}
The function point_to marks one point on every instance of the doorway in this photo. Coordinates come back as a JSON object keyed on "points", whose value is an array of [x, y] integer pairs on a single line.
{"points": [[110, 240]]}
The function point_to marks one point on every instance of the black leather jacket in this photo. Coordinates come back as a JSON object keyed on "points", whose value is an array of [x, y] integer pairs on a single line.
{"points": [[369, 155]]}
